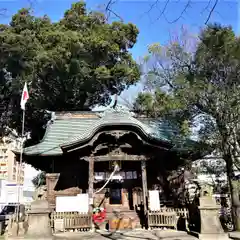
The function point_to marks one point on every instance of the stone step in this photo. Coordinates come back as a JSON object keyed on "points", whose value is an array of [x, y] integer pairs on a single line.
{"points": [[118, 209], [126, 218]]}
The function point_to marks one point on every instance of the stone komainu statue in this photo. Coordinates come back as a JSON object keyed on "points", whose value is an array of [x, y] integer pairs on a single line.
{"points": [[41, 193]]}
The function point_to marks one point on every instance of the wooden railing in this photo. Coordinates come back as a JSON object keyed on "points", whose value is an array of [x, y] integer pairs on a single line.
{"points": [[167, 217], [63, 221]]}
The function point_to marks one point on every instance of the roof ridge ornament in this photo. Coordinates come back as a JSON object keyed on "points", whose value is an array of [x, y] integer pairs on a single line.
{"points": [[115, 102], [67, 115], [118, 110]]}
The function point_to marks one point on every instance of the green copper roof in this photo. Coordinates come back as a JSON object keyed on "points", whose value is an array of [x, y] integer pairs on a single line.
{"points": [[57, 133], [70, 128], [115, 118]]}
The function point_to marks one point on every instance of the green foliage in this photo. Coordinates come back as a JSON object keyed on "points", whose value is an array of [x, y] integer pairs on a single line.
{"points": [[236, 185], [215, 170], [39, 180], [204, 82], [198, 85], [72, 64]]}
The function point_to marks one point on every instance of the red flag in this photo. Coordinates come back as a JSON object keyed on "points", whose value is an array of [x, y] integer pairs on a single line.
{"points": [[25, 97]]}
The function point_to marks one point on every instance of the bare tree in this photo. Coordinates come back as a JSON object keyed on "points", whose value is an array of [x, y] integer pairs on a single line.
{"points": [[210, 7]]}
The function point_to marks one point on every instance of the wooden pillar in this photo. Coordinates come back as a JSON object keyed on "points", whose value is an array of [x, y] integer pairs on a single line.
{"points": [[90, 182], [145, 190]]}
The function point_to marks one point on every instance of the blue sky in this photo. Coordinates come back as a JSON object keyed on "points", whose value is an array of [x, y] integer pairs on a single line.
{"points": [[151, 28], [154, 28], [152, 25]]}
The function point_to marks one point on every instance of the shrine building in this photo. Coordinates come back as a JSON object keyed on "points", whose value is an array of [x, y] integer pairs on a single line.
{"points": [[80, 150]]}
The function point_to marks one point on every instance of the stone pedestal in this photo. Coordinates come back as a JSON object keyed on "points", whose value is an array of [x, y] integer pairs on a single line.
{"points": [[38, 221], [51, 181], [211, 228], [16, 230], [172, 234]]}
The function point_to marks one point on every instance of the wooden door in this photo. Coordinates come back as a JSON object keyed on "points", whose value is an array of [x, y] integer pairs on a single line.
{"points": [[115, 194]]}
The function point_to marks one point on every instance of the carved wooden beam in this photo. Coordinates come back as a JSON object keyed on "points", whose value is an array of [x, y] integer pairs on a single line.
{"points": [[100, 147], [108, 146], [117, 133], [123, 157]]}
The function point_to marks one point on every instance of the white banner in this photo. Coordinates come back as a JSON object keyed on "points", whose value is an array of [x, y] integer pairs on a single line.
{"points": [[154, 201], [79, 203]]}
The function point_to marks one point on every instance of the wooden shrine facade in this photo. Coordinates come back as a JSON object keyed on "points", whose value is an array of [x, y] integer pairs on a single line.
{"points": [[99, 156], [80, 150]]}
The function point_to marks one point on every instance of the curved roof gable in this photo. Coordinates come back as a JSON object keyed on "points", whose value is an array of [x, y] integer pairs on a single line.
{"points": [[69, 129], [115, 117]]}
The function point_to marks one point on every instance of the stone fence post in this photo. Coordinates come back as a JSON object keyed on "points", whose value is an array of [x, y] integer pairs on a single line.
{"points": [[39, 221]]}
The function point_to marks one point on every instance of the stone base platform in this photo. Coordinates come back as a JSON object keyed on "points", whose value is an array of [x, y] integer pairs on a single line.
{"points": [[27, 238], [127, 235], [234, 235], [223, 236], [173, 234], [138, 234]]}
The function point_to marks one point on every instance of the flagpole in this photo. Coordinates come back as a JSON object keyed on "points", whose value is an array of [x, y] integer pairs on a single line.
{"points": [[24, 99], [20, 165]]}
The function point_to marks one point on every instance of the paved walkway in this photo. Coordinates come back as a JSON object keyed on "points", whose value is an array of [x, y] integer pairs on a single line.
{"points": [[127, 235], [235, 235]]}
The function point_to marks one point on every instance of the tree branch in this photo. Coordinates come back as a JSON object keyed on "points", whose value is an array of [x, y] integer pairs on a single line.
{"points": [[162, 12], [181, 14], [207, 6], [152, 6], [211, 11], [3, 11], [109, 10], [164, 9]]}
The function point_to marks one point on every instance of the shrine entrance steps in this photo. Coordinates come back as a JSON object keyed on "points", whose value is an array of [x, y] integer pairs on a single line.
{"points": [[120, 219]]}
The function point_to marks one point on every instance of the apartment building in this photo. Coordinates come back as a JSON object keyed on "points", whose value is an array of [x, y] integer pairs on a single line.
{"points": [[11, 173], [10, 169]]}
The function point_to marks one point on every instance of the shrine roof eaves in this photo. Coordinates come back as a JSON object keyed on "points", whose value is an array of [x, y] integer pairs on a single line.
{"points": [[115, 118], [68, 128]]}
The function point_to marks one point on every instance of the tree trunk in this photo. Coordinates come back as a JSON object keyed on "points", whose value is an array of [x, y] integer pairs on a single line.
{"points": [[234, 191], [229, 146]]}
